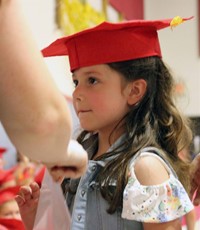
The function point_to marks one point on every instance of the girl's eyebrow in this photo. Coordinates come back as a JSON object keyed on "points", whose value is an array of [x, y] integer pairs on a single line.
{"points": [[86, 73]]}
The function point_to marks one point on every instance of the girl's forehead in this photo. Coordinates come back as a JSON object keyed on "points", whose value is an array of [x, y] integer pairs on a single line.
{"points": [[90, 69]]}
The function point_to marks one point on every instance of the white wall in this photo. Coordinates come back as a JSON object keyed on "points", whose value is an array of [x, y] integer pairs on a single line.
{"points": [[41, 18], [180, 47]]}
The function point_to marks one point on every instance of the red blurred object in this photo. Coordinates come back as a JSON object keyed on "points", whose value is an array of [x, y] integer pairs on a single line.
{"points": [[11, 224], [130, 9], [2, 151], [39, 176], [8, 194], [6, 175]]}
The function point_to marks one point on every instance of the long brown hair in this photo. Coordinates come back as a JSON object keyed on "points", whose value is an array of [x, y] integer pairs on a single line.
{"points": [[154, 121]]}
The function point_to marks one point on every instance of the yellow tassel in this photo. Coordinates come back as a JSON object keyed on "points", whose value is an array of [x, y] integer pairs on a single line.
{"points": [[176, 21]]}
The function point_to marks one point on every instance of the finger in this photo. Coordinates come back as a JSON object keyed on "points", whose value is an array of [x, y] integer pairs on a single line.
{"points": [[58, 178], [35, 190], [26, 193], [61, 172], [20, 201], [198, 159], [194, 187], [34, 186], [72, 173], [57, 175], [195, 197], [196, 162], [25, 190], [69, 172], [196, 201]]}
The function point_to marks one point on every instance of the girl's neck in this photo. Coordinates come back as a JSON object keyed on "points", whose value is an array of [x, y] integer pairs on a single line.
{"points": [[105, 141]]}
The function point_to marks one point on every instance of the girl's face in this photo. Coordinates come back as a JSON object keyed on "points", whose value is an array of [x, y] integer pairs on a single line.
{"points": [[99, 98], [10, 210]]}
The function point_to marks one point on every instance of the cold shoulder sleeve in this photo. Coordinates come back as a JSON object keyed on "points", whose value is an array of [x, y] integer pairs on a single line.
{"points": [[156, 203]]}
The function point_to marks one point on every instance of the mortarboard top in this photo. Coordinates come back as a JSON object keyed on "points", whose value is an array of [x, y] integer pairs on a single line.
{"points": [[112, 42], [8, 194]]}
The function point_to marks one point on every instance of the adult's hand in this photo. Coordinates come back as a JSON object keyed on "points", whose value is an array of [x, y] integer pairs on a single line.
{"points": [[73, 167], [27, 200]]}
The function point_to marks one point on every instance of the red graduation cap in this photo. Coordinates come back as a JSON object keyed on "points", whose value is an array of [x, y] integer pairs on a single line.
{"points": [[6, 175], [13, 224], [8, 194], [111, 42]]}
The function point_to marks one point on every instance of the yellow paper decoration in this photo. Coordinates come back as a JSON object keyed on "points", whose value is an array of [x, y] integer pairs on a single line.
{"points": [[74, 16], [176, 21]]}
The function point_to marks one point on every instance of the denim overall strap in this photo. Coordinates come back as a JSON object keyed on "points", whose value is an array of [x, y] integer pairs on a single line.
{"points": [[87, 181]]}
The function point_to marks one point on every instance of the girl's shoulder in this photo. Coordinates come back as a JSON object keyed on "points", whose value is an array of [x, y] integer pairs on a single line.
{"points": [[150, 169], [150, 165], [153, 192]]}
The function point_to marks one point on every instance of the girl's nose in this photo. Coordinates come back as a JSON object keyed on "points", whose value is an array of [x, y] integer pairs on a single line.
{"points": [[78, 93]]}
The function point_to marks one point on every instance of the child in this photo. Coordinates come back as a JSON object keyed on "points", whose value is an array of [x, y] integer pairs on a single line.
{"points": [[131, 130], [9, 211], [8, 206]]}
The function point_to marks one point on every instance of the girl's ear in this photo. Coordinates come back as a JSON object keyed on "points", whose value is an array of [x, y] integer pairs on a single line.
{"points": [[137, 90]]}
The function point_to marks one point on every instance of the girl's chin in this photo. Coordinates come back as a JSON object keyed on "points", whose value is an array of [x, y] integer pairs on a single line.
{"points": [[88, 129]]}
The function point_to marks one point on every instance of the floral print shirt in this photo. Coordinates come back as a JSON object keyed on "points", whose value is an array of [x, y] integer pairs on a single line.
{"points": [[156, 203]]}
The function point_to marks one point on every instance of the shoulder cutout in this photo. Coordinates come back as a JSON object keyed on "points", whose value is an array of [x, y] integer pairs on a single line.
{"points": [[149, 170]]}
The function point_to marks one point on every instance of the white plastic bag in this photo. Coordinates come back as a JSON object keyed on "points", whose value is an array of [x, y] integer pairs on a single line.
{"points": [[52, 212]]}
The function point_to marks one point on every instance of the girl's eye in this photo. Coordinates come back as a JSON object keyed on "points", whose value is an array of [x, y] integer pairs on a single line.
{"points": [[92, 80], [75, 83]]}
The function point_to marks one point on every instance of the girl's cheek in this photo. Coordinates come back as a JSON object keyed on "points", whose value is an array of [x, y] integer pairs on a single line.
{"points": [[74, 104]]}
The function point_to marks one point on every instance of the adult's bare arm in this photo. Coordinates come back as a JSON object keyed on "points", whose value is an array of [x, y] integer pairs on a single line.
{"points": [[32, 110]]}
